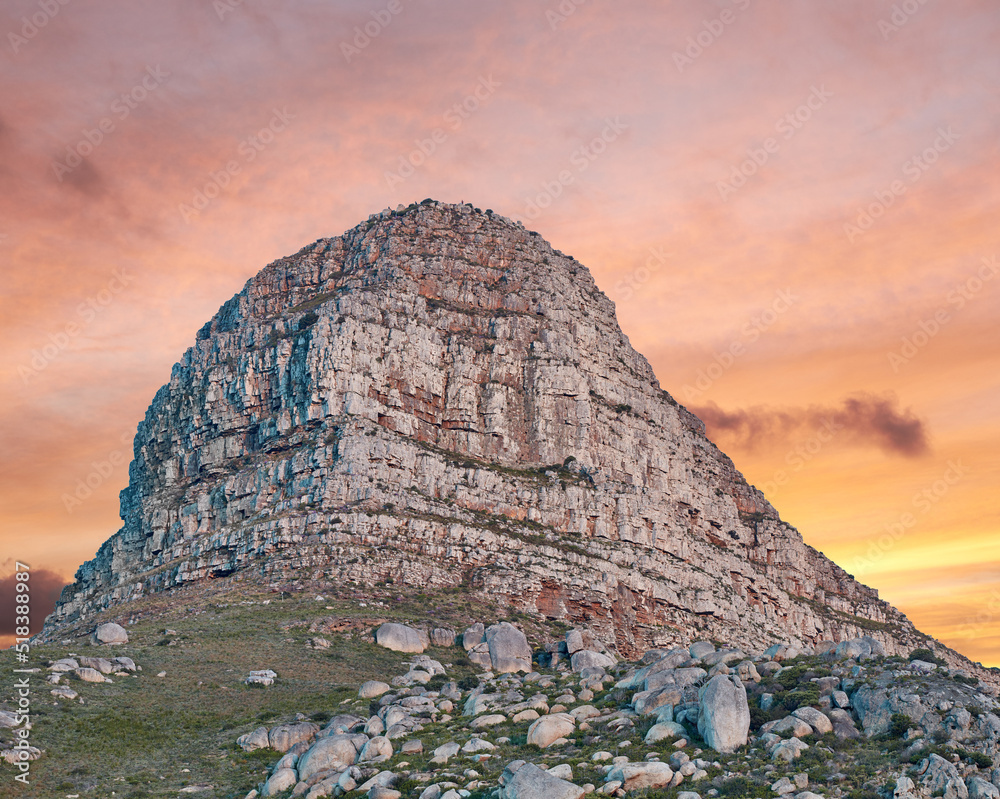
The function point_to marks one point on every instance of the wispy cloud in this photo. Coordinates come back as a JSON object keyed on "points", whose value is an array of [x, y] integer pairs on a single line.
{"points": [[866, 420]]}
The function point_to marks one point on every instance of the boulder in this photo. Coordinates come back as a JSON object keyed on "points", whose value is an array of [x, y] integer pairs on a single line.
{"points": [[442, 636], [723, 713], [547, 729], [843, 724], [401, 638], [587, 658], [280, 781], [342, 722], [981, 789], [102, 665], [818, 721], [689, 676], [528, 781], [263, 677], [64, 692], [258, 739], [574, 641], [648, 702], [788, 750], [109, 633], [474, 634], [789, 725], [445, 752], [491, 720], [700, 649], [89, 675], [333, 752], [509, 650], [376, 750], [636, 776], [665, 730], [285, 736], [938, 776], [373, 689], [428, 664], [480, 656], [475, 744]]}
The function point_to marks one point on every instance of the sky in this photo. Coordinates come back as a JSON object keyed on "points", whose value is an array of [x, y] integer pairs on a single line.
{"points": [[792, 204]]}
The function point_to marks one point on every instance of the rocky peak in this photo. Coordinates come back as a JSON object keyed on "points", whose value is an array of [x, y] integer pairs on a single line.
{"points": [[438, 397]]}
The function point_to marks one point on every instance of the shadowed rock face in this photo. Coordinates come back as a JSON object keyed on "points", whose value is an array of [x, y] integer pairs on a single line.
{"points": [[381, 404]]}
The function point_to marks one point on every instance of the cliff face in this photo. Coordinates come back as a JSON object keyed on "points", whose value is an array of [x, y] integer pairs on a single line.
{"points": [[438, 397]]}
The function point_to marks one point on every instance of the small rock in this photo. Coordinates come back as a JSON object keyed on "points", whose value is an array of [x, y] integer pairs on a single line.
{"points": [[263, 677], [491, 720]]}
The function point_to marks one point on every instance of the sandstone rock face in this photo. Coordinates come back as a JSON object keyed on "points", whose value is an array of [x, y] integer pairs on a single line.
{"points": [[439, 396]]}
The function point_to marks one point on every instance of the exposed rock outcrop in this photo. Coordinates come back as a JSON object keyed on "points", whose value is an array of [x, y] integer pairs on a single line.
{"points": [[437, 397]]}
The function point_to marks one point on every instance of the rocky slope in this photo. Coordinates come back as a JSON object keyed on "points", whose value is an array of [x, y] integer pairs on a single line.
{"points": [[835, 720], [438, 397]]}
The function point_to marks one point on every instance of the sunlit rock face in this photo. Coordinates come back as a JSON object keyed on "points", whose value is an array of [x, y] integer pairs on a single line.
{"points": [[438, 397]]}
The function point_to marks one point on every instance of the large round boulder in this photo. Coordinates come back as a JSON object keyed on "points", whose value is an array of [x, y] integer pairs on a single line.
{"points": [[401, 638], [548, 729], [333, 752], [109, 633]]}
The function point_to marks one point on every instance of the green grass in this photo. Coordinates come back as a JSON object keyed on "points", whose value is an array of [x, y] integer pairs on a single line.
{"points": [[136, 735]]}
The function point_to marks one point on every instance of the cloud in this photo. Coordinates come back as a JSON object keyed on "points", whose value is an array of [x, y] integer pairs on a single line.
{"points": [[44, 587], [863, 420]]}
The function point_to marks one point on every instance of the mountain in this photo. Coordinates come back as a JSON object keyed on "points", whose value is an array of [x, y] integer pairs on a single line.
{"points": [[440, 398]]}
